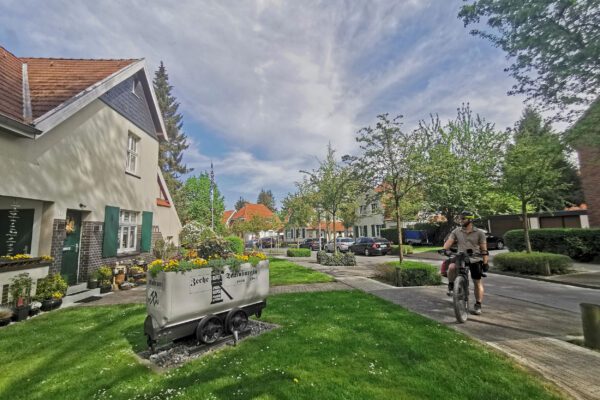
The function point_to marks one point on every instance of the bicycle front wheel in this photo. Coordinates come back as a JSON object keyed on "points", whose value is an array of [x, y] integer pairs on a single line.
{"points": [[461, 299]]}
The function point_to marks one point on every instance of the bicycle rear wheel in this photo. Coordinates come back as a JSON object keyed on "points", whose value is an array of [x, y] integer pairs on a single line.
{"points": [[461, 299]]}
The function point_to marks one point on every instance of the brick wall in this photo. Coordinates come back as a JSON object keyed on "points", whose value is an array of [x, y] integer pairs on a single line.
{"points": [[59, 233], [589, 160], [92, 234]]}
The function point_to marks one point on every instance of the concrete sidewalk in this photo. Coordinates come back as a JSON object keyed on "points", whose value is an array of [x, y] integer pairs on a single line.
{"points": [[534, 335]]}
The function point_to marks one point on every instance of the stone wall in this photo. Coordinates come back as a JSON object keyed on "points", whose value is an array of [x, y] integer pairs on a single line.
{"points": [[589, 160]]}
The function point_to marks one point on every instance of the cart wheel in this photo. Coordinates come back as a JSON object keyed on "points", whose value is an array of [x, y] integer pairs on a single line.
{"points": [[210, 329], [237, 320], [151, 344]]}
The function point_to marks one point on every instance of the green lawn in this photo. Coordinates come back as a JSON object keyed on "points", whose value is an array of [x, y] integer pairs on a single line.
{"points": [[423, 249], [331, 345], [284, 272]]}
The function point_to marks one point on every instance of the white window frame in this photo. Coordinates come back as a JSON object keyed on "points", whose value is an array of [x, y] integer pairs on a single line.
{"points": [[128, 227], [133, 154], [374, 207]]}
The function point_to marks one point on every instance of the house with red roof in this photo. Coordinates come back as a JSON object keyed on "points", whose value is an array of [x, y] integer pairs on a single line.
{"points": [[246, 213], [79, 142]]}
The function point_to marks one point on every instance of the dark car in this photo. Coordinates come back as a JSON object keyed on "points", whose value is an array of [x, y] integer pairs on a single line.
{"points": [[370, 246], [267, 242], [493, 242], [312, 244]]}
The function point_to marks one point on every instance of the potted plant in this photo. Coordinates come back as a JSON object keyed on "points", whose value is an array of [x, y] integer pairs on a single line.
{"points": [[5, 316], [137, 272], [50, 291], [20, 291], [105, 275], [36, 307], [93, 281]]}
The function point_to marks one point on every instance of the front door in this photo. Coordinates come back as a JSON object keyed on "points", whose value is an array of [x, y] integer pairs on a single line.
{"points": [[70, 251]]}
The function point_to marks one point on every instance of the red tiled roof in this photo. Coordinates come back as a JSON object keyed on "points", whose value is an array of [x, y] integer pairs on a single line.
{"points": [[11, 85], [226, 215], [339, 227], [52, 81], [250, 210]]}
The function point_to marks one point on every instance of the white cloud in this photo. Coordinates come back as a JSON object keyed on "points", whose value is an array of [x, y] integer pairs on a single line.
{"points": [[277, 80]]}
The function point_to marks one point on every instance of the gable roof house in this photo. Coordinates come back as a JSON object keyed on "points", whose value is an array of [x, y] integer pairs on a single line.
{"points": [[248, 212], [79, 146]]}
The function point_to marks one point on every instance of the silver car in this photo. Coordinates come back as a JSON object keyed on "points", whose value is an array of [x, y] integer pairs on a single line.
{"points": [[342, 244]]}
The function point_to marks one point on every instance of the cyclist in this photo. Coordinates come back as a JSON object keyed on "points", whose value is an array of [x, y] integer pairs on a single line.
{"points": [[468, 237]]}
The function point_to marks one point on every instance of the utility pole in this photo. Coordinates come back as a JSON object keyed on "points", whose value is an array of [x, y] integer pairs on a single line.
{"points": [[212, 197]]}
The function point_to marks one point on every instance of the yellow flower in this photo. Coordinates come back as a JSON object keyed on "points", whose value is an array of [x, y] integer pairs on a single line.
{"points": [[199, 262], [156, 263], [57, 295], [47, 258]]}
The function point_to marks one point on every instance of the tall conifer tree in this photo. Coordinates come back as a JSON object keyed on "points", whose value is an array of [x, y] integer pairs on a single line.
{"points": [[170, 153]]}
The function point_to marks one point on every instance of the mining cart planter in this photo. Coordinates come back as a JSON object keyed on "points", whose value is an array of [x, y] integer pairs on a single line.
{"points": [[206, 302]]}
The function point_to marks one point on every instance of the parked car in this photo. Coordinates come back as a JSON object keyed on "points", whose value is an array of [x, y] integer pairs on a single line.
{"points": [[267, 242], [371, 246], [493, 242], [342, 244], [251, 244], [312, 244], [414, 237]]}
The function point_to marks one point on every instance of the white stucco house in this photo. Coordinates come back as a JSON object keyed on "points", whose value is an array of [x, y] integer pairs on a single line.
{"points": [[79, 146]]}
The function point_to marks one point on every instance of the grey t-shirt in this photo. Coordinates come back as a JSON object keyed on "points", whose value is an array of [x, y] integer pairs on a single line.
{"points": [[468, 240]]}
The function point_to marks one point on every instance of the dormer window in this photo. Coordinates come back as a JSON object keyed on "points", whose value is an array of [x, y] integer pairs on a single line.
{"points": [[131, 163], [134, 86]]}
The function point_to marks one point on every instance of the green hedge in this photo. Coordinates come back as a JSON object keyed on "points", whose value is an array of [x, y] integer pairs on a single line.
{"points": [[298, 252], [410, 273], [406, 249], [579, 244], [533, 263], [237, 244], [336, 259]]}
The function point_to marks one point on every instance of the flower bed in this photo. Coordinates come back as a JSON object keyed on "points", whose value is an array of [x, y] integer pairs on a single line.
{"points": [[192, 262]]}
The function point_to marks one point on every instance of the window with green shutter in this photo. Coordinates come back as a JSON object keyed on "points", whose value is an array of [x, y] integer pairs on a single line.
{"points": [[110, 242], [146, 244]]}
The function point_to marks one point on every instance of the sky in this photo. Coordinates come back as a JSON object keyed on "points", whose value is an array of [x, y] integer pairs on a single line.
{"points": [[265, 85]]}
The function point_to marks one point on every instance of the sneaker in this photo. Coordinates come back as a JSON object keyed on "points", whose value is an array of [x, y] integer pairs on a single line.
{"points": [[450, 291], [477, 309]]}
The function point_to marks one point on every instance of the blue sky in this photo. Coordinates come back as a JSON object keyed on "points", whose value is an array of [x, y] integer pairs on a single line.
{"points": [[265, 85]]}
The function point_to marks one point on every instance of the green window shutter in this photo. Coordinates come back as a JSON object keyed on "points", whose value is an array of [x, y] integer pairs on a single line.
{"points": [[146, 244], [111, 232]]}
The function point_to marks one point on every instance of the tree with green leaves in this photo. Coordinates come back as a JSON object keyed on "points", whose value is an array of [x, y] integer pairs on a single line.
{"points": [[240, 203], [531, 168], [332, 183], [170, 152], [195, 202], [391, 164], [532, 124], [463, 164], [297, 209], [553, 44], [349, 214], [266, 198]]}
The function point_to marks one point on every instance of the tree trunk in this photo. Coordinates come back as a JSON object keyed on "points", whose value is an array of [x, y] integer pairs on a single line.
{"points": [[400, 249], [525, 226], [335, 249]]}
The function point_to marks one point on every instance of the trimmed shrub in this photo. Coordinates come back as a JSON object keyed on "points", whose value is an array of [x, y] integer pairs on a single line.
{"points": [[579, 244], [339, 259], [236, 244], [406, 248], [320, 255], [533, 263], [411, 273], [193, 233], [298, 252]]}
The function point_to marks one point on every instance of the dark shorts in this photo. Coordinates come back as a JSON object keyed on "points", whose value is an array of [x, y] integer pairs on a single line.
{"points": [[475, 268]]}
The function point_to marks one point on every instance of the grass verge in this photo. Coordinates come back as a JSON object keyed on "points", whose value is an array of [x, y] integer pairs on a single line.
{"points": [[332, 345], [284, 272]]}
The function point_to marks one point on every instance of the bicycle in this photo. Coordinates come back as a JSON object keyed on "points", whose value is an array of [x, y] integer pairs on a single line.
{"points": [[460, 296]]}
